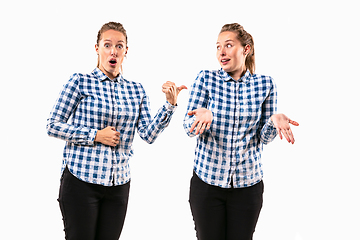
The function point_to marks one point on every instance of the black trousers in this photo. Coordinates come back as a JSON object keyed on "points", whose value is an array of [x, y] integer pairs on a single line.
{"points": [[224, 214], [91, 211]]}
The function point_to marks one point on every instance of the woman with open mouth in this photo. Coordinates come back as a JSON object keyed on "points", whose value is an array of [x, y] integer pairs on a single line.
{"points": [[97, 115], [232, 111]]}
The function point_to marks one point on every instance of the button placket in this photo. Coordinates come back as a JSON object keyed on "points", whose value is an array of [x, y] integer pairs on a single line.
{"points": [[239, 111], [234, 102], [115, 107]]}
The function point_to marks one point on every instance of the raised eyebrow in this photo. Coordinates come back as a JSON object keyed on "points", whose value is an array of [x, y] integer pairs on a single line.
{"points": [[108, 40], [229, 40]]}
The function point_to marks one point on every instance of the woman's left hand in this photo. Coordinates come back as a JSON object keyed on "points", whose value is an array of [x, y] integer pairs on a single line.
{"points": [[282, 125], [172, 92]]}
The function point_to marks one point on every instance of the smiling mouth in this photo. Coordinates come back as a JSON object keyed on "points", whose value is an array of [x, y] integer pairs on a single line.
{"points": [[225, 61]]}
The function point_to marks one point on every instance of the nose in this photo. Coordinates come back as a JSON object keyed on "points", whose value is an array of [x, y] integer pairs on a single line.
{"points": [[113, 52], [222, 52]]}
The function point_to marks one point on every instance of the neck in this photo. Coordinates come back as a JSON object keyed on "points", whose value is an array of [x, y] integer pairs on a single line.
{"points": [[238, 74], [111, 75]]}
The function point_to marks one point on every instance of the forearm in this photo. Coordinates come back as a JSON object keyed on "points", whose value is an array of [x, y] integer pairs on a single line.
{"points": [[268, 132], [269, 108], [150, 130], [79, 135]]}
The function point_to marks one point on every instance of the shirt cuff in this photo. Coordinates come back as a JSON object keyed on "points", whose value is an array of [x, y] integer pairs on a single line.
{"points": [[169, 107], [92, 136], [269, 132], [270, 126], [168, 111], [270, 123]]}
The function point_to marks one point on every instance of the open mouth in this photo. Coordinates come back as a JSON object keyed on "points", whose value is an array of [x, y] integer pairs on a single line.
{"points": [[225, 61], [113, 61]]}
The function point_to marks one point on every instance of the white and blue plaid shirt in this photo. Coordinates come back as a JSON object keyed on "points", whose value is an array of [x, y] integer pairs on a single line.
{"points": [[230, 151], [92, 102]]}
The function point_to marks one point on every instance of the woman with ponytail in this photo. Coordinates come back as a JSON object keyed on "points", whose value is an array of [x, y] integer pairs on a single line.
{"points": [[232, 111], [97, 115]]}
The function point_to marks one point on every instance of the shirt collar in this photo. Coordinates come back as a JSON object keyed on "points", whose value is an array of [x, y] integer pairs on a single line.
{"points": [[226, 77], [247, 76], [102, 76]]}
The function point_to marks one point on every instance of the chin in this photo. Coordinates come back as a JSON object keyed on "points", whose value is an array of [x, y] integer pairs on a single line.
{"points": [[226, 69], [112, 69]]}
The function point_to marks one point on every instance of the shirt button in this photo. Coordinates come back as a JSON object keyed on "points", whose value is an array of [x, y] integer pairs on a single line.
{"points": [[237, 107]]}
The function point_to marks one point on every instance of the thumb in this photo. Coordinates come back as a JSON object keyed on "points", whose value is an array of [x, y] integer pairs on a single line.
{"points": [[181, 88], [193, 112], [294, 122]]}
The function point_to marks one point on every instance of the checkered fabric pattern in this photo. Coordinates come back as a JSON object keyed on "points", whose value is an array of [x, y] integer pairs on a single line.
{"points": [[92, 102], [231, 149]]}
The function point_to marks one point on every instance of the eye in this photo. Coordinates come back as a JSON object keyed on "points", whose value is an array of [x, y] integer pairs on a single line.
{"points": [[218, 47], [228, 45], [106, 45], [119, 46]]}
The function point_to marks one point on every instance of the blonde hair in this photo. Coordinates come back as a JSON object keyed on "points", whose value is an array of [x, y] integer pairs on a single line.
{"points": [[245, 39]]}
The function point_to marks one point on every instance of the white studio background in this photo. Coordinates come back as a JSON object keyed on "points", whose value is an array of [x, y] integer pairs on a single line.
{"points": [[311, 49]]}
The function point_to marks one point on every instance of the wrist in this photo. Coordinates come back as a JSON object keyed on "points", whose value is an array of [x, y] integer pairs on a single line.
{"points": [[97, 136], [172, 103]]}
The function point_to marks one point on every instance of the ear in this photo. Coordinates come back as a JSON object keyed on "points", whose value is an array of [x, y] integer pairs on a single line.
{"points": [[247, 49], [97, 49]]}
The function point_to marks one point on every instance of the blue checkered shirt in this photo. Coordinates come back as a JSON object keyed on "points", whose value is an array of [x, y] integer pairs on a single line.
{"points": [[92, 102], [231, 149]]}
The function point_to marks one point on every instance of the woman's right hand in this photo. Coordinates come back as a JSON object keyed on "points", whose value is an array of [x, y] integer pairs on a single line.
{"points": [[203, 120], [108, 136]]}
